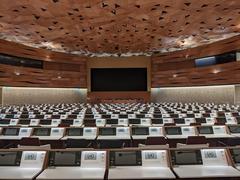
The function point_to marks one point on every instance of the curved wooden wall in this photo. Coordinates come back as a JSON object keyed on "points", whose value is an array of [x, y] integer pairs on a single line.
{"points": [[177, 68]]}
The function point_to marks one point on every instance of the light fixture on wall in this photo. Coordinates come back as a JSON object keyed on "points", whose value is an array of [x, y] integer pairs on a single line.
{"points": [[216, 71], [17, 73], [174, 75]]}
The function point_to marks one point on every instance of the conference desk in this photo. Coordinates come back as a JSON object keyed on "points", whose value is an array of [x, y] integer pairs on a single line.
{"points": [[12, 137], [177, 136], [66, 173], [9, 172], [200, 171], [129, 172]]}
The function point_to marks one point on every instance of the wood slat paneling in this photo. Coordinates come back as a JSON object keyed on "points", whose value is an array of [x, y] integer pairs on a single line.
{"points": [[32, 77]]}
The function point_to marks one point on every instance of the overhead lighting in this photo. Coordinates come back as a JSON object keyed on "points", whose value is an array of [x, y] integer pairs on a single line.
{"points": [[17, 73], [215, 71], [174, 75]]}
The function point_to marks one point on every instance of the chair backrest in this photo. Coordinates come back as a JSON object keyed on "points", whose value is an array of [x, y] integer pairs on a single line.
{"points": [[196, 140], [170, 124], [195, 124], [154, 140], [78, 143], [28, 141]]}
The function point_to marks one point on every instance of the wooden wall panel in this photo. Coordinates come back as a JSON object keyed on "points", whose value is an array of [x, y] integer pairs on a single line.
{"points": [[168, 69], [32, 77]]}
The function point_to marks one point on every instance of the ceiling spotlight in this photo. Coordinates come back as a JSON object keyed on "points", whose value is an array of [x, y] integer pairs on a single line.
{"points": [[59, 77], [215, 71], [17, 73], [174, 75]]}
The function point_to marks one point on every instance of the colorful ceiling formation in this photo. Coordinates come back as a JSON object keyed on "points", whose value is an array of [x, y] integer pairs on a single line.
{"points": [[118, 27]]}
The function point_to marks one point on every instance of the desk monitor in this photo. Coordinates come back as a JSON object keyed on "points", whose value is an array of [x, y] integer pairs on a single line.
{"points": [[24, 116], [125, 158], [140, 115], [186, 157], [173, 130], [190, 115], [201, 120], [56, 116], [45, 122], [10, 131], [64, 158], [140, 131], [235, 155], [74, 132], [39, 116], [157, 121], [89, 116], [5, 121], [221, 120], [24, 121], [179, 120], [134, 121], [67, 121], [10, 158], [234, 129], [157, 115], [123, 116], [9, 116], [41, 131], [205, 130], [106, 116], [112, 121], [107, 131]]}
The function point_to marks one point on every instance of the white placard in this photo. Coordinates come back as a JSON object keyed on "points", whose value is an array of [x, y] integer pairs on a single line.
{"points": [[188, 131], [123, 122], [219, 130], [57, 131], [34, 122], [25, 132], [123, 131], [32, 159], [155, 131], [93, 159], [13, 122], [77, 122], [100, 122], [214, 157], [145, 121], [154, 158]]}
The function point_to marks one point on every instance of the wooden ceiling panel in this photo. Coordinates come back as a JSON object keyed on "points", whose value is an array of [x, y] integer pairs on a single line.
{"points": [[113, 27]]}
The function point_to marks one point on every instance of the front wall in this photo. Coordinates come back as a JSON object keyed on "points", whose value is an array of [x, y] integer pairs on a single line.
{"points": [[21, 95], [204, 94]]}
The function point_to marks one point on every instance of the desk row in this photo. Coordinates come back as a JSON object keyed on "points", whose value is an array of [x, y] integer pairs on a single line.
{"points": [[119, 164], [118, 122], [91, 133]]}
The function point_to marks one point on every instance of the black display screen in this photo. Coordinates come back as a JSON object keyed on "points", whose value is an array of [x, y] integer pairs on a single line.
{"points": [[235, 155], [75, 131], [173, 130], [119, 79], [126, 158], [186, 157], [42, 131], [205, 130], [10, 158], [140, 131], [65, 158], [107, 131], [234, 129], [10, 131]]}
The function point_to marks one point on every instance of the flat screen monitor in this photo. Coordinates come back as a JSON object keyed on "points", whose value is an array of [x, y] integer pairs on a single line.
{"points": [[74, 131], [134, 121], [179, 120], [157, 121], [24, 121], [4, 121], [235, 155], [126, 158], [45, 122], [140, 131], [112, 121], [65, 158], [123, 116], [41, 131], [67, 121], [9, 116], [205, 130], [157, 115], [234, 129], [10, 131], [140, 115], [119, 79], [173, 130], [201, 120], [186, 157], [221, 120], [10, 158], [107, 131], [24, 116]]}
